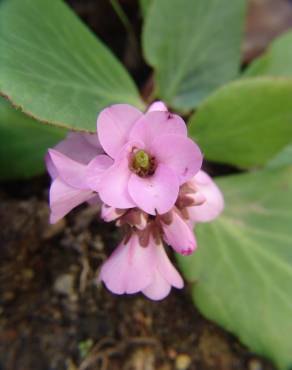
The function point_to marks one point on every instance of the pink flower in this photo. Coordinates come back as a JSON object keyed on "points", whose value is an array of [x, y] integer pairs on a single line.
{"points": [[178, 233], [140, 262], [109, 214], [146, 174], [152, 156], [67, 164], [134, 267], [207, 197], [149, 157], [157, 106], [199, 200]]}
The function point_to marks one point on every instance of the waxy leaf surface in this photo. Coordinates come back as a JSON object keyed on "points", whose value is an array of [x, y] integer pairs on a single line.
{"points": [[241, 274], [23, 143], [54, 68], [144, 6], [276, 61], [283, 158], [245, 123], [194, 47]]}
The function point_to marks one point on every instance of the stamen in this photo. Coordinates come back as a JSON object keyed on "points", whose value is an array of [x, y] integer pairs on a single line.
{"points": [[142, 163], [141, 160]]}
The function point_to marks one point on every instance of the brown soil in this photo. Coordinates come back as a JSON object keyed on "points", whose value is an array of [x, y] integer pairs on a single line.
{"points": [[53, 315]]}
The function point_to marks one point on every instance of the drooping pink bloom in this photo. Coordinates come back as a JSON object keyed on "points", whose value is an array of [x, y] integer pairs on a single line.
{"points": [[152, 156], [208, 199], [199, 200], [109, 214], [165, 276], [157, 106], [177, 232], [140, 263], [144, 165], [134, 268], [67, 164]]}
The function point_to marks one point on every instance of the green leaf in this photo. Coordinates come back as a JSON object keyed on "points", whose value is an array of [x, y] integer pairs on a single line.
{"points": [[144, 5], [277, 61], [54, 69], [241, 274], [284, 158], [23, 143], [246, 122], [194, 47]]}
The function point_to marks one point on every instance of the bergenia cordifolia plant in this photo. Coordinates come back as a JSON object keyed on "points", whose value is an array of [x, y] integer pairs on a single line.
{"points": [[146, 173], [140, 166]]}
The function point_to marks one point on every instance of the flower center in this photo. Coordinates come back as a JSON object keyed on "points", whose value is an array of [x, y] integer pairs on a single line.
{"points": [[141, 160], [143, 164]]}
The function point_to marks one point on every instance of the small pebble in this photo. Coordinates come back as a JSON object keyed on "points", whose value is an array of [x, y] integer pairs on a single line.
{"points": [[255, 364], [182, 362], [64, 284]]}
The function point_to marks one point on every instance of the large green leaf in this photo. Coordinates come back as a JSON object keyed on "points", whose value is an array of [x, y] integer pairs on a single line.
{"points": [[194, 47], [241, 274], [144, 6], [246, 122], [277, 61], [54, 68], [23, 143], [283, 158]]}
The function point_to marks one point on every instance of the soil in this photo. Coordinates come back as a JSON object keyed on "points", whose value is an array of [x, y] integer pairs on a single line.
{"points": [[54, 315]]}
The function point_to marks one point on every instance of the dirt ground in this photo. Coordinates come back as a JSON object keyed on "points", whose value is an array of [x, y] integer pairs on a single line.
{"points": [[53, 315]]}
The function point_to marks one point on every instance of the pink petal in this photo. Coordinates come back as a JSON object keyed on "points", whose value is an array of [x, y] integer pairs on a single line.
{"points": [[130, 268], [165, 276], [166, 268], [95, 169], [113, 186], [214, 203], [179, 153], [156, 193], [113, 126], [157, 106], [179, 235], [155, 124], [80, 147], [71, 172], [158, 289], [199, 198], [63, 198], [52, 170], [109, 214], [92, 139]]}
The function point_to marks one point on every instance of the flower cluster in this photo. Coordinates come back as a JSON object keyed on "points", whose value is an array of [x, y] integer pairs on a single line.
{"points": [[146, 173]]}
